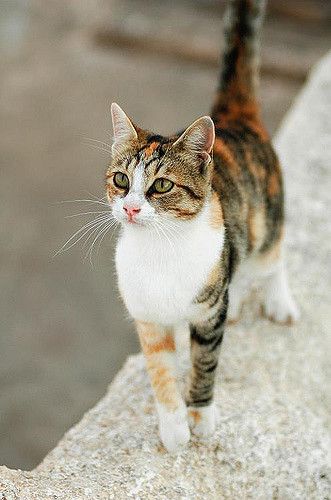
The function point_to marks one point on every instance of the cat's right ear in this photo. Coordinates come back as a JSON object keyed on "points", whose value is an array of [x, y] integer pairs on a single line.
{"points": [[123, 128]]}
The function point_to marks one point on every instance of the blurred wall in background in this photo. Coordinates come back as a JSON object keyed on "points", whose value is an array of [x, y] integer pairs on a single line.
{"points": [[63, 331]]}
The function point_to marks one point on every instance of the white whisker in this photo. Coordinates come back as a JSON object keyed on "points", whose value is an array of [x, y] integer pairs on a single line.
{"points": [[110, 226], [96, 197], [166, 236], [85, 228], [90, 249], [88, 213], [92, 233], [172, 230], [85, 201], [97, 147], [104, 144], [101, 229]]}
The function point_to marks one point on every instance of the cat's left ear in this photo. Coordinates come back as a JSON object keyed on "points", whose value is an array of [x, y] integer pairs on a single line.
{"points": [[124, 130], [199, 137]]}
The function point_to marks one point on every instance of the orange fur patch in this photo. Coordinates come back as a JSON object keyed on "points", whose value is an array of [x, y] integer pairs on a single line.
{"points": [[150, 149], [167, 343], [224, 152], [153, 340], [216, 220], [257, 171], [256, 227], [163, 382], [155, 344], [259, 129], [195, 414], [246, 111], [273, 184]]}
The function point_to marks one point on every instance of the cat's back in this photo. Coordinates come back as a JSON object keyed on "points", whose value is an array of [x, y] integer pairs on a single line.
{"points": [[247, 178]]}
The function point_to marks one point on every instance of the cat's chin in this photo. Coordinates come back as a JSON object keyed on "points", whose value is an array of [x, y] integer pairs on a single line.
{"points": [[134, 224]]}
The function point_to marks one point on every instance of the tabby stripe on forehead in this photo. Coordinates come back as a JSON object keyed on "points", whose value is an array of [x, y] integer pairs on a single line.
{"points": [[158, 166], [129, 163], [126, 165], [139, 152], [148, 162]]}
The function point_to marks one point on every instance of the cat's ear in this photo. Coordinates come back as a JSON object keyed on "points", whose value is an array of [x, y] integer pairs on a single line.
{"points": [[199, 137], [123, 128]]}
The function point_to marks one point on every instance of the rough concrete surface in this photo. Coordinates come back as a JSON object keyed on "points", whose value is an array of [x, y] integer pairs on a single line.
{"points": [[273, 389]]}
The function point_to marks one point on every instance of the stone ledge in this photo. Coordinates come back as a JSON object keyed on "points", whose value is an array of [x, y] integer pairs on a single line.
{"points": [[273, 389]]}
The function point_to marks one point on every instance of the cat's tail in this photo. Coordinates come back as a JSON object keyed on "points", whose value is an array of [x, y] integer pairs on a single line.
{"points": [[239, 72]]}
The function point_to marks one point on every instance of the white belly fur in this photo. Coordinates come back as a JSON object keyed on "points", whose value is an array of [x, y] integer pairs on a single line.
{"points": [[159, 281]]}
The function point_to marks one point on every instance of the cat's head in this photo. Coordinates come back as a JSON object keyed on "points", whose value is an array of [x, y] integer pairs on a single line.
{"points": [[153, 177]]}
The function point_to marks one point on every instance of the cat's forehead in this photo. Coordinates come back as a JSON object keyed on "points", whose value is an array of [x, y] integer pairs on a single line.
{"points": [[150, 156], [155, 146], [151, 148]]}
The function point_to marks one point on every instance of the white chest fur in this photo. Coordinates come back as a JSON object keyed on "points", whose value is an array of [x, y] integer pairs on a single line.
{"points": [[159, 279]]}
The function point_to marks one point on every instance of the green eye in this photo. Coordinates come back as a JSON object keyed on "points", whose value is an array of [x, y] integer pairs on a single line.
{"points": [[121, 180], [162, 185]]}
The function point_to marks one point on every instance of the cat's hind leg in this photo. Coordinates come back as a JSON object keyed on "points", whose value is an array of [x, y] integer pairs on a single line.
{"points": [[239, 288], [278, 304]]}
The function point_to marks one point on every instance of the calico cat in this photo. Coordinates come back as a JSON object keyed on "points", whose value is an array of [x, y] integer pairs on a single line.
{"points": [[198, 209]]}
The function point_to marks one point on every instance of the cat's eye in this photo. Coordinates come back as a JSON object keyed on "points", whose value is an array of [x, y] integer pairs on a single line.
{"points": [[121, 180], [162, 185]]}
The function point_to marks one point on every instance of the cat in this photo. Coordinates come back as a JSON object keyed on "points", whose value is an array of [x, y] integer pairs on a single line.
{"points": [[197, 210]]}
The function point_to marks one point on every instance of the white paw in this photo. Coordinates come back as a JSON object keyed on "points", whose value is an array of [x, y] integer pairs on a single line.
{"points": [[173, 428], [281, 308], [204, 420]]}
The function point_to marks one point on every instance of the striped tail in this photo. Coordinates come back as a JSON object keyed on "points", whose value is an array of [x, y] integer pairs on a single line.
{"points": [[239, 73]]}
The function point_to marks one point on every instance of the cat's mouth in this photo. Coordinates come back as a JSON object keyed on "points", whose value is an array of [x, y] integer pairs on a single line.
{"points": [[132, 221]]}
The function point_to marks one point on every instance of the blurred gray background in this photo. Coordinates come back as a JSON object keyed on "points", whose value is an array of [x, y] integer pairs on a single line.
{"points": [[63, 331]]}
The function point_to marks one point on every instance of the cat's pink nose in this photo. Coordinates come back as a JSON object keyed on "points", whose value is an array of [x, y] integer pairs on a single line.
{"points": [[131, 212]]}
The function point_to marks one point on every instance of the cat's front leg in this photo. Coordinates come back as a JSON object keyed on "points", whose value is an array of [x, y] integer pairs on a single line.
{"points": [[206, 338], [158, 346]]}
